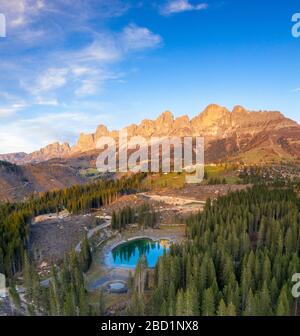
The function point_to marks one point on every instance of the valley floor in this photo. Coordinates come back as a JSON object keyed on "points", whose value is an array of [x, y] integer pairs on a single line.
{"points": [[55, 234]]}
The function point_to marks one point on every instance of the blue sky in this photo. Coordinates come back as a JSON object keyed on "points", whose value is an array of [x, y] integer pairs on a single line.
{"points": [[65, 67]]}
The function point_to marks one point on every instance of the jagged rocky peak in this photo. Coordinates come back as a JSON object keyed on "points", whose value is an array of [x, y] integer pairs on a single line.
{"points": [[258, 120], [146, 128], [215, 123], [131, 130], [101, 131], [165, 116], [182, 121], [215, 112], [54, 150], [16, 158], [164, 124], [84, 143], [238, 109], [56, 147]]}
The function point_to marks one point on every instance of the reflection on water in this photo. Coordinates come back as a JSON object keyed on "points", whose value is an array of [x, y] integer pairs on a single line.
{"points": [[128, 254]]}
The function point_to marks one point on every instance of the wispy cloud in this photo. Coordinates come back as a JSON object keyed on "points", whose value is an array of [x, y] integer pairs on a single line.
{"points": [[59, 55], [51, 79], [46, 102], [135, 38], [85, 71], [179, 6], [27, 135], [11, 110], [21, 12], [7, 111]]}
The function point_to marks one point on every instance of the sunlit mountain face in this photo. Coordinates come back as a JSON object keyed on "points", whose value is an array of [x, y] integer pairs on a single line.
{"points": [[66, 68], [149, 162]]}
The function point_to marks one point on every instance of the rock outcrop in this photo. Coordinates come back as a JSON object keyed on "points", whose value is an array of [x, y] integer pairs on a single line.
{"points": [[227, 133], [55, 150], [235, 129]]}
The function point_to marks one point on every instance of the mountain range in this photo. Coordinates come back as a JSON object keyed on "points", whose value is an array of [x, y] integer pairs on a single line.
{"points": [[240, 134]]}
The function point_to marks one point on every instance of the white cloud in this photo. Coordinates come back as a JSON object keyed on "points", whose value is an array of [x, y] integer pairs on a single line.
{"points": [[178, 6], [134, 38], [51, 79], [95, 81], [88, 87], [104, 49], [27, 135], [21, 12], [86, 70], [8, 96], [12, 109], [52, 74], [112, 47], [32, 22], [80, 70], [47, 102], [7, 112]]}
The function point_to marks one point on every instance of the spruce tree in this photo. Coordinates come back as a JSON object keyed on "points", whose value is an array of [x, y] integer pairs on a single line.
{"points": [[222, 309], [208, 303], [283, 307], [102, 306]]}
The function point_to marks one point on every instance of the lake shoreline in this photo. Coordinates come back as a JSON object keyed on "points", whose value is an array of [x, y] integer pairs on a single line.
{"points": [[100, 274]]}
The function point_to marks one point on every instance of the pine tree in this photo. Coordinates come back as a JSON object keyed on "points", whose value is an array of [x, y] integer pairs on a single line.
{"points": [[192, 307], [27, 277], [102, 306], [69, 306], [54, 304], [83, 303], [283, 307], [231, 309], [140, 277], [171, 301], [136, 306], [35, 285], [14, 295], [222, 310], [250, 309], [208, 303], [180, 303], [264, 299]]}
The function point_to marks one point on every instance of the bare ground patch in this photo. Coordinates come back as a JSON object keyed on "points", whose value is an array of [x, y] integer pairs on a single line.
{"points": [[52, 238], [203, 192]]}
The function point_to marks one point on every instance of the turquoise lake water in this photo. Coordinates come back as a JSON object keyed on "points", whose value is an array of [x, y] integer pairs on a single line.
{"points": [[128, 254]]}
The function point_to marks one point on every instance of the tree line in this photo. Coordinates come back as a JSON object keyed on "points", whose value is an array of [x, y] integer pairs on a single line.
{"points": [[144, 215], [239, 259], [65, 293], [15, 218]]}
